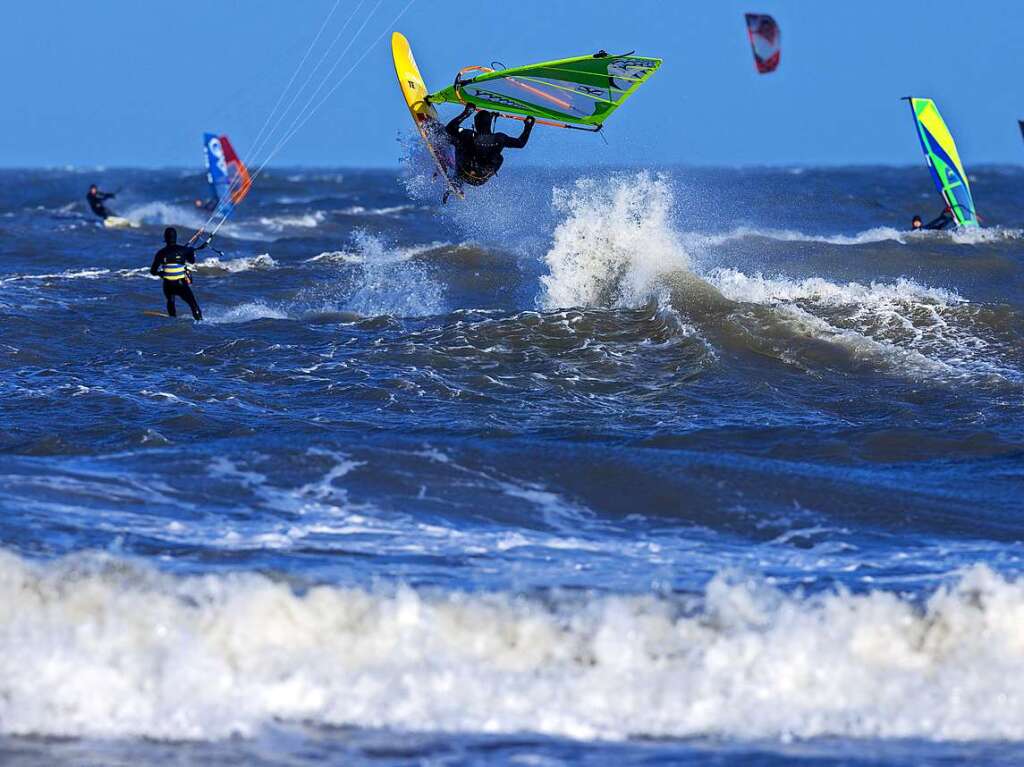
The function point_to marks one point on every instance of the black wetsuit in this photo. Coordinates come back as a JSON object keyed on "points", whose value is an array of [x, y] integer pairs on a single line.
{"points": [[943, 220], [96, 203], [477, 154], [170, 264]]}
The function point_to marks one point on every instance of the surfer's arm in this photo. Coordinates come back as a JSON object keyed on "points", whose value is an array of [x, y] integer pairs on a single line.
{"points": [[518, 143], [452, 129], [154, 268], [941, 221]]}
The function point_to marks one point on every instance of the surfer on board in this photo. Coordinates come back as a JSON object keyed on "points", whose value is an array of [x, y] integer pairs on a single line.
{"points": [[96, 199], [171, 264], [478, 150]]}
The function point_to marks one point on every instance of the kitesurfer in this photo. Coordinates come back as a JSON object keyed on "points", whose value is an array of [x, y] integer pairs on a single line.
{"points": [[171, 264], [96, 199], [478, 150], [915, 223], [210, 205]]}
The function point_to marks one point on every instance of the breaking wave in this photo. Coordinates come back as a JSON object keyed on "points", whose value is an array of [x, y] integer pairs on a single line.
{"points": [[616, 246], [94, 646]]}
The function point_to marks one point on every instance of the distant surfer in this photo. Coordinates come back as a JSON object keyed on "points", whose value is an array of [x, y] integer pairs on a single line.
{"points": [[478, 150], [942, 221], [210, 205], [171, 264], [96, 198]]}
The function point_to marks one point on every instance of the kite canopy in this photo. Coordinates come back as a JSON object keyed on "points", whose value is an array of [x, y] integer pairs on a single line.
{"points": [[228, 177], [581, 91], [765, 41], [944, 161]]}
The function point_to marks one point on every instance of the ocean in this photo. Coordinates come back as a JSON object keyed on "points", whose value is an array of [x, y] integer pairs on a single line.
{"points": [[606, 465]]}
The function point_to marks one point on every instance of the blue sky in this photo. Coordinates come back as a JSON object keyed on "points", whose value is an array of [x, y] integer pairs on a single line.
{"points": [[135, 82]]}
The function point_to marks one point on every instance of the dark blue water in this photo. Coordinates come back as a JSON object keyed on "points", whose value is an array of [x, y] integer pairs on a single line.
{"points": [[623, 466]]}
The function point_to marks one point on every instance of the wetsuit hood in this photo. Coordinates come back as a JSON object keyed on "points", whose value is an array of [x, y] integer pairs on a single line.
{"points": [[483, 121], [170, 235]]}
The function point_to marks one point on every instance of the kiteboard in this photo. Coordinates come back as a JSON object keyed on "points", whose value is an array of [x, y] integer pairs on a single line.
{"points": [[116, 222], [430, 128], [152, 313]]}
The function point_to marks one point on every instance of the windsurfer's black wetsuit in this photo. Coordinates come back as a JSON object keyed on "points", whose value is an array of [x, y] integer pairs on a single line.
{"points": [[942, 221], [478, 152], [169, 264], [96, 199]]}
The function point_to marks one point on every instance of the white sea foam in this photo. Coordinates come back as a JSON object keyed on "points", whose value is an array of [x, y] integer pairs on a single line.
{"points": [[875, 234], [104, 648], [68, 274], [303, 221], [985, 235], [613, 243], [247, 312], [259, 262]]}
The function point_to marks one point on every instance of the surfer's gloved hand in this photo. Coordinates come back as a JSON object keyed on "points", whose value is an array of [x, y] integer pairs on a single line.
{"points": [[530, 120]]}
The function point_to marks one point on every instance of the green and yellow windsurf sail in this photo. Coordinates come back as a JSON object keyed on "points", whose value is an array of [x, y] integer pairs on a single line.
{"points": [[944, 161], [578, 92]]}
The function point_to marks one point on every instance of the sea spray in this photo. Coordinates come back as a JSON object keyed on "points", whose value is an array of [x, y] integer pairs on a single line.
{"points": [[385, 280], [615, 240]]}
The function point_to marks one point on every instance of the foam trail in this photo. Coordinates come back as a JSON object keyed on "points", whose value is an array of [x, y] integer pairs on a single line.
{"points": [[259, 262], [102, 648], [165, 214], [247, 312]]}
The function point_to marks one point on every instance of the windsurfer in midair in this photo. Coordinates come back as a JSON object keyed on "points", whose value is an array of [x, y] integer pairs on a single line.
{"points": [[478, 150], [96, 198]]}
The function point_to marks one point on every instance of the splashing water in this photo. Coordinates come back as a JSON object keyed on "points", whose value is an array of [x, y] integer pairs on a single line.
{"points": [[614, 243]]}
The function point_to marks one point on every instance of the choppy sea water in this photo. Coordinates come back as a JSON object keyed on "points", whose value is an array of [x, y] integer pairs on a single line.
{"points": [[602, 466]]}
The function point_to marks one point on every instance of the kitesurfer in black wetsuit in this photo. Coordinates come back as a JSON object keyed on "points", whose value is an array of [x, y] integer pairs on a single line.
{"points": [[478, 151], [942, 221], [170, 264], [96, 198]]}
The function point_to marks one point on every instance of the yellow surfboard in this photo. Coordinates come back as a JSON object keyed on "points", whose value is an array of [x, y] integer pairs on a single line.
{"points": [[414, 90]]}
